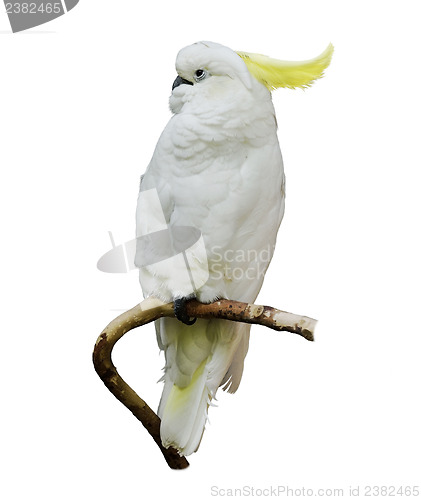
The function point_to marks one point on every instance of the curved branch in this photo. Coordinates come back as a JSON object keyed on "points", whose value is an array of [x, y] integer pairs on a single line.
{"points": [[145, 312], [152, 309]]}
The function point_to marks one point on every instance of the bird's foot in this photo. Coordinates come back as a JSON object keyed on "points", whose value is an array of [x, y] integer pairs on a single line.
{"points": [[181, 312]]}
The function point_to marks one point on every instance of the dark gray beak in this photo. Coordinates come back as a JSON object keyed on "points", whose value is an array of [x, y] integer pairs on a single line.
{"points": [[180, 81]]}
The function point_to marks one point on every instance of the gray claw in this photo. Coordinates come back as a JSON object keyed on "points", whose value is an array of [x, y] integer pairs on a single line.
{"points": [[181, 313]]}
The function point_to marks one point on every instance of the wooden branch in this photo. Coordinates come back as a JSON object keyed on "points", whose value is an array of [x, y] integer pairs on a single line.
{"points": [[251, 313], [152, 309]]}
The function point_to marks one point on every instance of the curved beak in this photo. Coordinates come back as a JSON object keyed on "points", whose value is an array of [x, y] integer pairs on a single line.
{"points": [[180, 81]]}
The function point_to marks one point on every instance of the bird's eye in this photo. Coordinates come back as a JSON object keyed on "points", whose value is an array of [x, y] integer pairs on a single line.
{"points": [[200, 74]]}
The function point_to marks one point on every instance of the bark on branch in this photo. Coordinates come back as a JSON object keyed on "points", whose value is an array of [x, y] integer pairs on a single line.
{"points": [[152, 309]]}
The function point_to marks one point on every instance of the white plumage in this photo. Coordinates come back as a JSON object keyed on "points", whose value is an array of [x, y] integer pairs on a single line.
{"points": [[217, 167]]}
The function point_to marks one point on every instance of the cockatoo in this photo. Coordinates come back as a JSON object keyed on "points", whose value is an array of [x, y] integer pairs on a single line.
{"points": [[209, 208]]}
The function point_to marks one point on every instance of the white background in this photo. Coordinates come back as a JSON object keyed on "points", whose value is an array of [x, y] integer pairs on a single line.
{"points": [[83, 100]]}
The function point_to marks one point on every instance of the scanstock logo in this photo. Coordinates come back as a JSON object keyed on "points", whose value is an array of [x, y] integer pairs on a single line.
{"points": [[28, 14], [173, 251]]}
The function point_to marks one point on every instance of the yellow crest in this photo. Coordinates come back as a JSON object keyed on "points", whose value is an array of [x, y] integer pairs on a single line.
{"points": [[274, 73]]}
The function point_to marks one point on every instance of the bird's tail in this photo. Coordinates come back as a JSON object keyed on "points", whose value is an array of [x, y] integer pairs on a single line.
{"points": [[183, 412], [199, 358]]}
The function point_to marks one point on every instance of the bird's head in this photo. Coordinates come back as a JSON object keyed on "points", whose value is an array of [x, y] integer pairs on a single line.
{"points": [[203, 60], [208, 74]]}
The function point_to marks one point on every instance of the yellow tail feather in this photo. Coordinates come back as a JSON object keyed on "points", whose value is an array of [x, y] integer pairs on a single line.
{"points": [[274, 73]]}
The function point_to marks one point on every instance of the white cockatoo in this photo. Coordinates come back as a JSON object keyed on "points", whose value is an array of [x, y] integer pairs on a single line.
{"points": [[209, 208]]}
